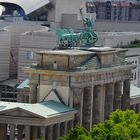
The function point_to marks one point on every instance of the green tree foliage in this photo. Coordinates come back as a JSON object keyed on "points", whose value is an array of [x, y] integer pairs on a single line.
{"points": [[122, 125], [78, 133]]}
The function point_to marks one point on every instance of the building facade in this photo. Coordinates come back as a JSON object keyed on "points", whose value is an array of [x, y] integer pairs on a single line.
{"points": [[132, 56], [83, 80], [115, 10], [66, 88]]}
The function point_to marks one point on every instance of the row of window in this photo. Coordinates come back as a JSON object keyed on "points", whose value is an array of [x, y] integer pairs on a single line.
{"points": [[134, 76]]}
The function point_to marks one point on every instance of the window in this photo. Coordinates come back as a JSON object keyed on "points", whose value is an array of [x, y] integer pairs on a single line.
{"points": [[132, 76], [55, 65], [138, 74], [30, 55], [135, 76]]}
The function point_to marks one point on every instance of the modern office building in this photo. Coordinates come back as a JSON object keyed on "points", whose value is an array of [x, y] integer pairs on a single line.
{"points": [[115, 10], [30, 43], [4, 54]]}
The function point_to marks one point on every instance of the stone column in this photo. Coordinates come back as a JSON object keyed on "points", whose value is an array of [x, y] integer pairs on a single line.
{"points": [[138, 108], [12, 131], [3, 132], [50, 132], [92, 93], [0, 92], [78, 104], [34, 132], [70, 125], [70, 97], [98, 104], [126, 95], [133, 107], [42, 132], [117, 95], [20, 132], [56, 130], [109, 97], [27, 132], [33, 93], [86, 115], [63, 128]]}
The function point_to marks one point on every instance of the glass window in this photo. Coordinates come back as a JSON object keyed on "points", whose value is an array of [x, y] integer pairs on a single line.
{"points": [[135, 76], [132, 76], [30, 55]]}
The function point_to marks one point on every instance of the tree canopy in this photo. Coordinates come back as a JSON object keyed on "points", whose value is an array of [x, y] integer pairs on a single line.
{"points": [[122, 125]]}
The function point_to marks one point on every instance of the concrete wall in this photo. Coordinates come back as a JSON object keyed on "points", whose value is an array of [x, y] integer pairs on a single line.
{"points": [[117, 26], [112, 39], [44, 91], [33, 23], [133, 57], [63, 7], [135, 79], [15, 32], [4, 54], [67, 7], [70, 21], [30, 43]]}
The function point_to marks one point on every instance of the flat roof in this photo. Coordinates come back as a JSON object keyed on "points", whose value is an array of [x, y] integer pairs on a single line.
{"points": [[134, 91], [101, 49], [10, 82], [66, 52], [24, 84], [44, 109]]}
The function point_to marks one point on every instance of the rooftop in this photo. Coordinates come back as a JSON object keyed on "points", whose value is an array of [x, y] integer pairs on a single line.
{"points": [[101, 49], [24, 84], [10, 82], [134, 91], [66, 52], [43, 109]]}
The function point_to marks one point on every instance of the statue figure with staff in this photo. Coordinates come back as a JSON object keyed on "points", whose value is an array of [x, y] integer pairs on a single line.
{"points": [[67, 38]]}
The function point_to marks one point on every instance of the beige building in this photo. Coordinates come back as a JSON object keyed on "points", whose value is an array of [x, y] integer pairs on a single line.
{"points": [[4, 54], [117, 39], [15, 32], [83, 80], [133, 56], [71, 21], [30, 43], [60, 7]]}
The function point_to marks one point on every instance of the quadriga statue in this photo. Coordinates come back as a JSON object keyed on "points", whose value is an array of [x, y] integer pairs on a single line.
{"points": [[67, 38]]}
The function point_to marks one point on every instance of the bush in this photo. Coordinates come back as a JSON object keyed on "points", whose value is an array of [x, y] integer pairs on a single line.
{"points": [[122, 125], [77, 133]]}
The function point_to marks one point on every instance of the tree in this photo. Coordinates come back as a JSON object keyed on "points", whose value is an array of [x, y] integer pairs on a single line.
{"points": [[77, 133], [122, 125]]}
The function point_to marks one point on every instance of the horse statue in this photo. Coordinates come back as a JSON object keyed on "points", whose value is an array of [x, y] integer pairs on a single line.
{"points": [[67, 38]]}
